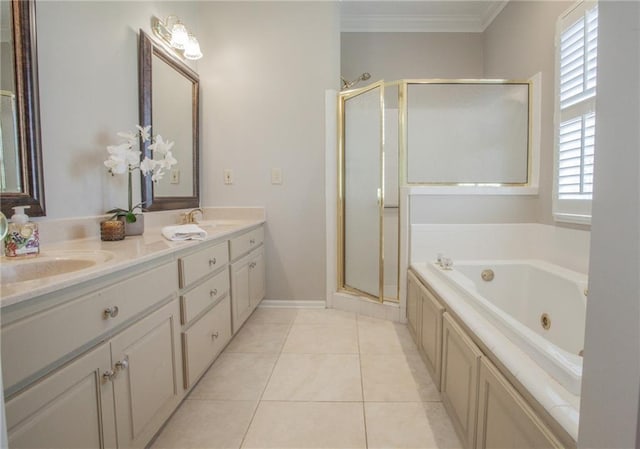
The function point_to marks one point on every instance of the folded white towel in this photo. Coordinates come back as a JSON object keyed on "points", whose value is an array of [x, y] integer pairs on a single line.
{"points": [[184, 232]]}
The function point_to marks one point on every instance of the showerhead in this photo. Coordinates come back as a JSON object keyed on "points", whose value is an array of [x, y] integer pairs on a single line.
{"points": [[347, 84]]}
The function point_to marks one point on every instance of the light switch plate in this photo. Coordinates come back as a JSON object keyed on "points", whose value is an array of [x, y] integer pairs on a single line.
{"points": [[228, 176], [175, 176], [276, 176]]}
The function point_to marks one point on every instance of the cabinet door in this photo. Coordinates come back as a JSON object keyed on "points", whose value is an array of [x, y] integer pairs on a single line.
{"points": [[240, 297], [205, 339], [431, 333], [148, 383], [504, 419], [256, 277], [413, 300], [70, 408], [459, 384]]}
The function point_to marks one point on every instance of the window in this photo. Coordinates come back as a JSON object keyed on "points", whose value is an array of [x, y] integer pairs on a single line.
{"points": [[576, 67]]}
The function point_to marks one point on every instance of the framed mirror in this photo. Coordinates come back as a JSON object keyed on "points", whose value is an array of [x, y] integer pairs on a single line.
{"points": [[21, 174], [170, 104]]}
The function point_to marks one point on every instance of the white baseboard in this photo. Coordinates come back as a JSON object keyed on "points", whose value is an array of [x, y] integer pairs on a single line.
{"points": [[298, 304]]}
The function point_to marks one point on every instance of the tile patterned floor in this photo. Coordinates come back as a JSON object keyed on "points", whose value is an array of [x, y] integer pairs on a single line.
{"points": [[311, 378]]}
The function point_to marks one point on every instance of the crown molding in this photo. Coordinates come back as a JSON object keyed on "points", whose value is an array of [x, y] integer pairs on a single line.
{"points": [[422, 23]]}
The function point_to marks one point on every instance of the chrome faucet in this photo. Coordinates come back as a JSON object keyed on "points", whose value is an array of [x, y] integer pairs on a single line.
{"points": [[189, 217]]}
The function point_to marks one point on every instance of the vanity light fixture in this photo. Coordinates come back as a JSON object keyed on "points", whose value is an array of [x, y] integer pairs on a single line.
{"points": [[176, 35]]}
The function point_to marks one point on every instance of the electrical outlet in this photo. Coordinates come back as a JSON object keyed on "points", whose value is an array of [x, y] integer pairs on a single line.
{"points": [[228, 176], [174, 177], [276, 176]]}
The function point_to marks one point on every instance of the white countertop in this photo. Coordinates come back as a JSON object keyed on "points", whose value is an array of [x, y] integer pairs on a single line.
{"points": [[122, 254], [563, 406]]}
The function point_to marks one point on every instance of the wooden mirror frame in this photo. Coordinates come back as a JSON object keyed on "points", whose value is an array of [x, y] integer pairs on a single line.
{"points": [[147, 49], [27, 99]]}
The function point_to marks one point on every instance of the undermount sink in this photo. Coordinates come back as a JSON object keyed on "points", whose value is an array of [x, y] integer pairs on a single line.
{"points": [[48, 264]]}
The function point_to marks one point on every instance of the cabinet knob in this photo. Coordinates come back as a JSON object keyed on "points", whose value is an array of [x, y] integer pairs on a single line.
{"points": [[213, 292], [252, 241], [110, 312], [212, 262], [108, 375], [122, 364], [214, 336]]}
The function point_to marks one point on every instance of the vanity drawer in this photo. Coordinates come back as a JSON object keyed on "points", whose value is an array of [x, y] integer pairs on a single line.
{"points": [[246, 242], [202, 296], [34, 343], [205, 339], [197, 265]]}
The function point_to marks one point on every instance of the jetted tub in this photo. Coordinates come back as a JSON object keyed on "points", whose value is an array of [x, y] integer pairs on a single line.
{"points": [[539, 306]]}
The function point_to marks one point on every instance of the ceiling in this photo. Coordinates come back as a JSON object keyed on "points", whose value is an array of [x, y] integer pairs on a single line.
{"points": [[418, 15]]}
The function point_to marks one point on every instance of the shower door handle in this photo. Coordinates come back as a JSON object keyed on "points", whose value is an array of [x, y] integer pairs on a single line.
{"points": [[379, 197]]}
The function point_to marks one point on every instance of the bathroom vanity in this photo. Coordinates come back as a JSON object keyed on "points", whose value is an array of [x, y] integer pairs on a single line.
{"points": [[101, 357]]}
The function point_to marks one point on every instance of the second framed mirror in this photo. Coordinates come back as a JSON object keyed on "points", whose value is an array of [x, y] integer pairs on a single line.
{"points": [[169, 103]]}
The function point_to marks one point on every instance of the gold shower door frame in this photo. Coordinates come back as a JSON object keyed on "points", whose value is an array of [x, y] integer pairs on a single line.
{"points": [[342, 285]]}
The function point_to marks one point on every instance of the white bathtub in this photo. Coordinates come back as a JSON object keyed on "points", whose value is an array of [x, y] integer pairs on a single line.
{"points": [[515, 301]]}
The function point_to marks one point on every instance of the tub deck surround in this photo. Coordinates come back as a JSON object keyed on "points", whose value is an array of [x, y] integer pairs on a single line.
{"points": [[523, 294], [554, 399], [124, 254]]}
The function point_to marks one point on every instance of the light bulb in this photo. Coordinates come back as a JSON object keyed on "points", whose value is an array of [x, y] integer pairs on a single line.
{"points": [[192, 49], [179, 36]]}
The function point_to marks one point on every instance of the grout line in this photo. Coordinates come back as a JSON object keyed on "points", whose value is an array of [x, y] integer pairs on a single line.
{"points": [[364, 412], [284, 341]]}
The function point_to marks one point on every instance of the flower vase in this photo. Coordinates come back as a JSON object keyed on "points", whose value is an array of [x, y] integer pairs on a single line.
{"points": [[135, 228]]}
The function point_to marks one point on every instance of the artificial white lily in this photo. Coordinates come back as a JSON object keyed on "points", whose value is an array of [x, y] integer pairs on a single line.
{"points": [[125, 158]]}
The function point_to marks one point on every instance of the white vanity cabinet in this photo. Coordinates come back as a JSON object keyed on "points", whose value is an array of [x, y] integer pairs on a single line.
{"points": [[84, 377], [206, 308], [247, 274], [77, 393]]}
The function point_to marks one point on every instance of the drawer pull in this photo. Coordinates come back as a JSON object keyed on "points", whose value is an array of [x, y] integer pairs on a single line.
{"points": [[214, 336], [212, 262], [213, 292], [122, 365], [252, 265], [110, 312], [108, 375]]}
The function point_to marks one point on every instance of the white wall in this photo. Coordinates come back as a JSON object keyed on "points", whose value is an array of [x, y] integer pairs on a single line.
{"points": [[610, 413], [88, 75], [264, 75], [394, 56], [518, 44]]}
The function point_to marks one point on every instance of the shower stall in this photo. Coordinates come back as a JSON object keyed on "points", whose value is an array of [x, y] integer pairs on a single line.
{"points": [[418, 133]]}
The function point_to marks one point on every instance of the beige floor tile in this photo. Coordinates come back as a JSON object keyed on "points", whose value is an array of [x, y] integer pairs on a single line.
{"points": [[207, 424], [315, 377], [236, 376], [396, 378], [273, 315], [259, 337], [321, 339], [414, 425], [329, 317], [307, 425], [384, 337]]}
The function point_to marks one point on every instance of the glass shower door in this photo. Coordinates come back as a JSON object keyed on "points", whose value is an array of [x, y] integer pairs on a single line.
{"points": [[362, 191]]}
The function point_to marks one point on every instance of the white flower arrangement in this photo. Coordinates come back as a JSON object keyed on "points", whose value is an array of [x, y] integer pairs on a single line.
{"points": [[125, 158]]}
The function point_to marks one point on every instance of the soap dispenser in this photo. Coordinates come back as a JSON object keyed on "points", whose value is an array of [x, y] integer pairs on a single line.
{"points": [[22, 237]]}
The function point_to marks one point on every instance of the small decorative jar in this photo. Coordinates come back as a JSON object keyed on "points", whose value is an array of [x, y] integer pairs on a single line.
{"points": [[111, 230]]}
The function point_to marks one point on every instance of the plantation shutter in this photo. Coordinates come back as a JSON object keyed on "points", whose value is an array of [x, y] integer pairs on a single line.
{"points": [[575, 111]]}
